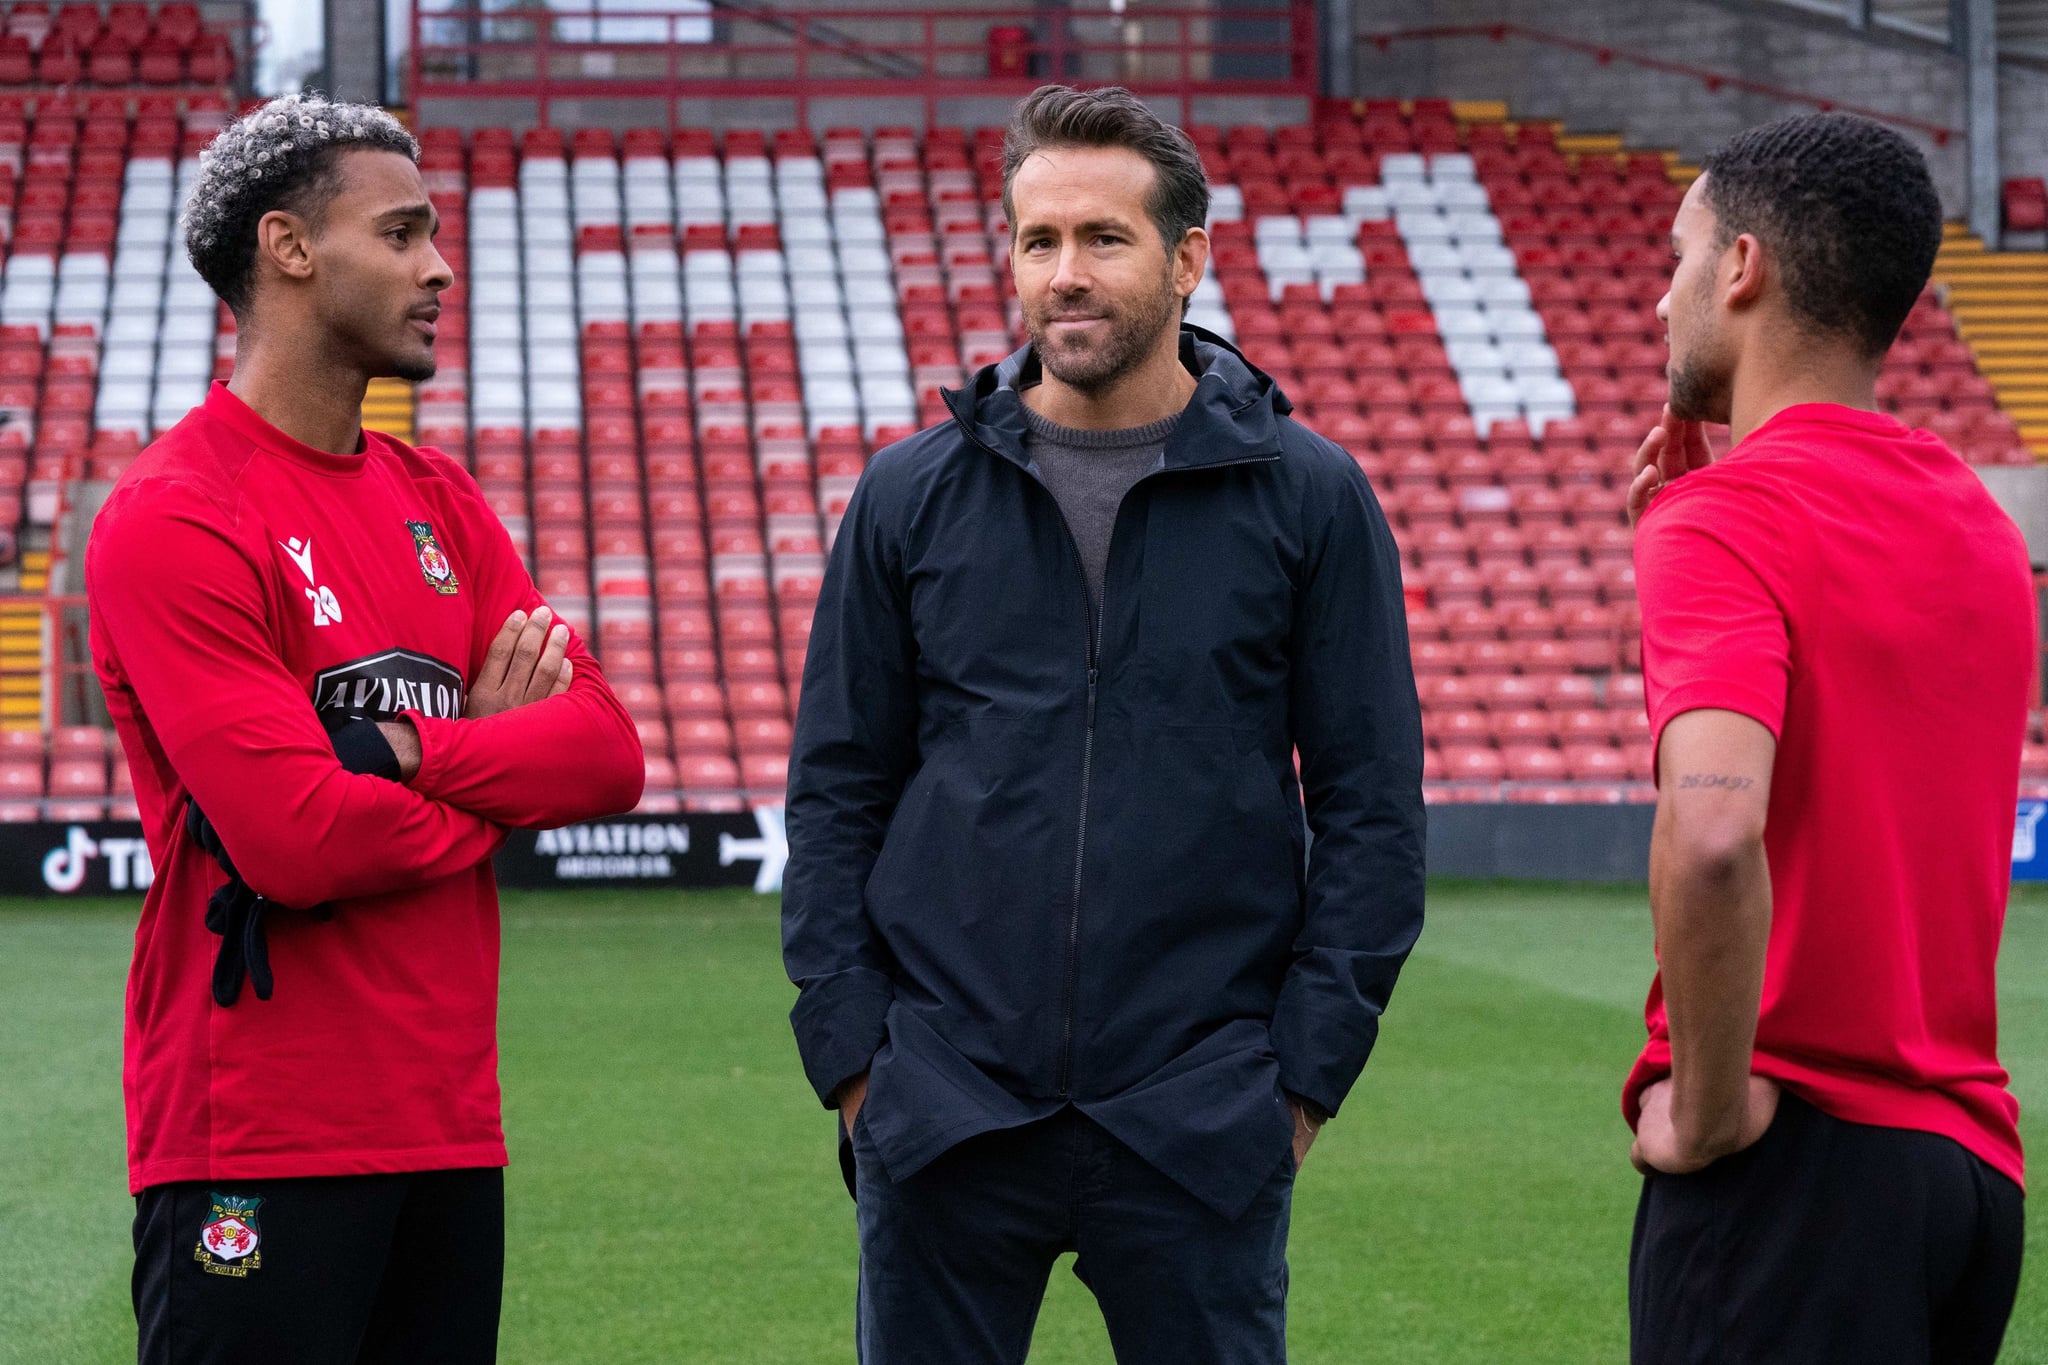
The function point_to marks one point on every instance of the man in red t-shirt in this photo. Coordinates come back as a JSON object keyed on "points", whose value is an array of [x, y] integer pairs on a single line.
{"points": [[337, 688], [1838, 635]]}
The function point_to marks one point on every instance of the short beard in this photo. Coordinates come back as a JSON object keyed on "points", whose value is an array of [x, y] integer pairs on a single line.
{"points": [[414, 371], [1698, 394], [1133, 333]]}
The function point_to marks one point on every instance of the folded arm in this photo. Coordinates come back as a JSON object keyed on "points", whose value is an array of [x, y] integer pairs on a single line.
{"points": [[197, 648], [572, 755], [1358, 730]]}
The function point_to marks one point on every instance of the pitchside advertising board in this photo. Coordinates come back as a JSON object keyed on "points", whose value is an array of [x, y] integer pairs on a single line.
{"points": [[2030, 843], [743, 848]]}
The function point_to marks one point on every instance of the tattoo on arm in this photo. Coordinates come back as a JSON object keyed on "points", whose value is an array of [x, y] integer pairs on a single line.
{"points": [[1725, 781]]}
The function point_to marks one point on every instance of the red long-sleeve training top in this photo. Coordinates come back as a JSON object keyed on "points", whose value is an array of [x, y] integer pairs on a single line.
{"points": [[249, 594]]}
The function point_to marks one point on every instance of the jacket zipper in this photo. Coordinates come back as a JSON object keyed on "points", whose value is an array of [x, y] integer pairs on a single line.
{"points": [[1092, 639], [1065, 1074]]}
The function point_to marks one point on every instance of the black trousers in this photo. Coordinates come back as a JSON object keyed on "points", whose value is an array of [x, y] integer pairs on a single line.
{"points": [[1826, 1242], [954, 1260], [344, 1270]]}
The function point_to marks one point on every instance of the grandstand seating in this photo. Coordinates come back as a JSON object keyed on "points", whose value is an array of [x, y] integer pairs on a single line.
{"points": [[78, 773], [122, 44], [667, 359]]}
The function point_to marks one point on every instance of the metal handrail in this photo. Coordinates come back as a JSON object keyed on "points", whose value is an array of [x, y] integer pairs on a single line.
{"points": [[1606, 54], [1161, 51]]}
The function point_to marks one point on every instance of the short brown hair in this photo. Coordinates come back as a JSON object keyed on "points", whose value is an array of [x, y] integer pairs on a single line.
{"points": [[1061, 116]]}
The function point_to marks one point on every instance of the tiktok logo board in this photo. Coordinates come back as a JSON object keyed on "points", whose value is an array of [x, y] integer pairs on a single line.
{"points": [[65, 868], [382, 686]]}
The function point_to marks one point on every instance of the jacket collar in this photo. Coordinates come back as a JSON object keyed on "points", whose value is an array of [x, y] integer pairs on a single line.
{"points": [[1233, 416]]}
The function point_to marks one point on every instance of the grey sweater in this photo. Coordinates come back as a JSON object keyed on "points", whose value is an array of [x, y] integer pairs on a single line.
{"points": [[1089, 472]]}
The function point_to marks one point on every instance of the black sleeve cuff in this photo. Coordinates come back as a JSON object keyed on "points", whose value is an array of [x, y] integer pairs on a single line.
{"points": [[362, 748]]}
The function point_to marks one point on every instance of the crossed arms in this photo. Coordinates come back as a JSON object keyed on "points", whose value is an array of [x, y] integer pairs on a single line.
{"points": [[198, 649]]}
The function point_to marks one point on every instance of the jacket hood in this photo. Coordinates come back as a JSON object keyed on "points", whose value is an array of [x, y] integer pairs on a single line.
{"points": [[1233, 416]]}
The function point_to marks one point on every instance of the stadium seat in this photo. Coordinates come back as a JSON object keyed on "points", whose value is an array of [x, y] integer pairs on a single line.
{"points": [[2026, 205]]}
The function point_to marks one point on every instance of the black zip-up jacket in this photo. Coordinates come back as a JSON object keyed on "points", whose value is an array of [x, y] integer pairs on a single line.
{"points": [[1038, 859]]}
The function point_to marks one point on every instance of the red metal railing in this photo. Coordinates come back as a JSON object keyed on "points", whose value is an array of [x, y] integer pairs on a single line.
{"points": [[1606, 55], [760, 52]]}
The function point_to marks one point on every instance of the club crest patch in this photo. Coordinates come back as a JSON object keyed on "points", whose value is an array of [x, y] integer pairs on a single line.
{"points": [[440, 574], [229, 1240]]}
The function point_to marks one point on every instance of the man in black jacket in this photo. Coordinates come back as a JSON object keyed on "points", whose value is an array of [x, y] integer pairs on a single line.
{"points": [[1066, 966]]}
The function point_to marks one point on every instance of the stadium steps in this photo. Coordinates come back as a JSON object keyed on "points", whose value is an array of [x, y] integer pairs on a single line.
{"points": [[2000, 301], [388, 407], [1480, 111], [1590, 144], [21, 648]]}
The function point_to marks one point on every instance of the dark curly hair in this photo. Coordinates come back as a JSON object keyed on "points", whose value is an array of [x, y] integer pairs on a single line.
{"points": [[1848, 211], [283, 155]]}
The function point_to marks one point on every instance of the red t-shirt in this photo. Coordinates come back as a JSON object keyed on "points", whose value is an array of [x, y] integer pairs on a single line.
{"points": [[1850, 585], [249, 594]]}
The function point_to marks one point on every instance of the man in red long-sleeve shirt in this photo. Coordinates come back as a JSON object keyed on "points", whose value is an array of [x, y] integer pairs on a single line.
{"points": [[323, 640]]}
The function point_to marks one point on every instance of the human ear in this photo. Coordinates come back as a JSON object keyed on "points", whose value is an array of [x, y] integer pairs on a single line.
{"points": [[1190, 259], [1745, 271], [284, 241]]}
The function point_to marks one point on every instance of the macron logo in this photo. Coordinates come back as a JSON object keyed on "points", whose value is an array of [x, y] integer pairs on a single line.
{"points": [[300, 553], [326, 610]]}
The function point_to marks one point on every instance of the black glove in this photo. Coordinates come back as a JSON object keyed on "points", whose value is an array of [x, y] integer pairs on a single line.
{"points": [[234, 911], [236, 914]]}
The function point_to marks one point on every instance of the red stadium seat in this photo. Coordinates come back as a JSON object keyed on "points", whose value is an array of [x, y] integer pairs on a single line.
{"points": [[1472, 763], [1467, 725], [1532, 763], [1595, 762], [79, 743], [21, 788], [2026, 205], [756, 700], [1525, 725], [765, 775]]}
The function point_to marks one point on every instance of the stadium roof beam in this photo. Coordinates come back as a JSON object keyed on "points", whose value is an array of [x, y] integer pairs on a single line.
{"points": [[1974, 23], [1339, 69], [355, 50]]}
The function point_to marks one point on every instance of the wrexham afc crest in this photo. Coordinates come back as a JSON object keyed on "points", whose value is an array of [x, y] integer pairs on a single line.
{"points": [[228, 1241], [439, 572]]}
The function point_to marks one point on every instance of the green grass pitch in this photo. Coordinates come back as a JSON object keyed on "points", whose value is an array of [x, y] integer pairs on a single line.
{"points": [[673, 1195]]}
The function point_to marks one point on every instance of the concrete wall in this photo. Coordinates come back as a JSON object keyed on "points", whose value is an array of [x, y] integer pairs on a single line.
{"points": [[355, 50], [1549, 843], [1760, 42], [2022, 490]]}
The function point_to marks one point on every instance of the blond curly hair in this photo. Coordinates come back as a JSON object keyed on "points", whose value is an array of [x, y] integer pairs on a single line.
{"points": [[280, 156]]}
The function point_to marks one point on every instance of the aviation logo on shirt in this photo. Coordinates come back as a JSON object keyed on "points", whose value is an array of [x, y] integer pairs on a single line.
{"points": [[228, 1242], [440, 574], [383, 686]]}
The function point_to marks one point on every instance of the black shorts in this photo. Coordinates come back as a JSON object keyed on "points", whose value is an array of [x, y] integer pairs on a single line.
{"points": [[327, 1271], [1826, 1242]]}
